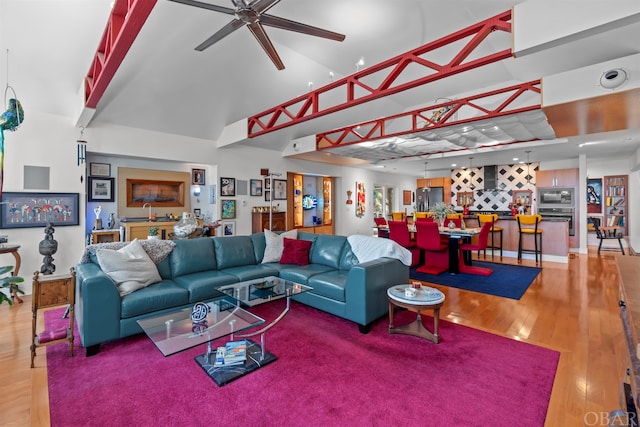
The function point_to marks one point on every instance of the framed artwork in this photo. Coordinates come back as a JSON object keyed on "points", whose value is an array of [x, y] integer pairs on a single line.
{"points": [[100, 189], [99, 169], [279, 189], [267, 195], [23, 210], [227, 187], [197, 177], [267, 183], [196, 212], [255, 187], [228, 228], [360, 199], [228, 209], [406, 197], [594, 195]]}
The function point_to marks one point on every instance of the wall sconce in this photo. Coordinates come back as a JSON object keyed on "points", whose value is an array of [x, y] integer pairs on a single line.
{"points": [[349, 194], [196, 190], [82, 148]]}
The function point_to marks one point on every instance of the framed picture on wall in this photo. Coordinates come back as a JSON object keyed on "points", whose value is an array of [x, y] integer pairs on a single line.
{"points": [[228, 228], [228, 209], [100, 189], [227, 187], [197, 177], [99, 169], [256, 187], [267, 195], [39, 209], [279, 189], [406, 197]]}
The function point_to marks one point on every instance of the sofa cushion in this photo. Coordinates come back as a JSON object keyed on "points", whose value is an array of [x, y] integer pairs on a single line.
{"points": [[202, 285], [259, 244], [295, 252], [165, 294], [129, 267], [331, 284], [301, 274], [233, 251], [192, 256], [327, 250], [275, 244], [249, 272]]}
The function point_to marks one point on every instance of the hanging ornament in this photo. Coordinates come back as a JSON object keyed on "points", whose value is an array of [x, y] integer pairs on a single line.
{"points": [[82, 147], [10, 120]]}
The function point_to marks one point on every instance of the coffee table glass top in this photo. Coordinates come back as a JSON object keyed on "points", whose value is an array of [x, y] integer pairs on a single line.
{"points": [[173, 332], [423, 295], [259, 291]]}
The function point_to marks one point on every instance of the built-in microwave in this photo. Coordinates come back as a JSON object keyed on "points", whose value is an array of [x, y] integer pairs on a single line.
{"points": [[556, 196]]}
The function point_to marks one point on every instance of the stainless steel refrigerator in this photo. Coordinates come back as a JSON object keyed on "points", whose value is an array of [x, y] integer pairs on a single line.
{"points": [[426, 199]]}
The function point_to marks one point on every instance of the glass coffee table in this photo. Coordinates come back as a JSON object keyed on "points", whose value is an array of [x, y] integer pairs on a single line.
{"points": [[227, 316]]}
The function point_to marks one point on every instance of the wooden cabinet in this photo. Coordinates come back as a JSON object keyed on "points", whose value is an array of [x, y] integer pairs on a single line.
{"points": [[557, 178], [260, 221], [52, 291], [616, 195], [465, 198], [140, 230], [103, 236], [310, 206]]}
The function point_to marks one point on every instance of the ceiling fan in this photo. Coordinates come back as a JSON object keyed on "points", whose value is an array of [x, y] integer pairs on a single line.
{"points": [[252, 14]]}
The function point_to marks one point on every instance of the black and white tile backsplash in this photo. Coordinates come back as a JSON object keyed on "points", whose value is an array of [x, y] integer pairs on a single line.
{"points": [[508, 178]]}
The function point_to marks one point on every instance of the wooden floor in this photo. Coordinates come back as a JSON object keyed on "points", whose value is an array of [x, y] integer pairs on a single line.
{"points": [[571, 308]]}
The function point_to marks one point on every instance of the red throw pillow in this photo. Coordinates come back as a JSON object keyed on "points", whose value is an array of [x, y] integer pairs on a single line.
{"points": [[295, 252]]}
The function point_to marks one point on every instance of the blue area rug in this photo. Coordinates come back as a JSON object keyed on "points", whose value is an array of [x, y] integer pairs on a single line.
{"points": [[509, 281]]}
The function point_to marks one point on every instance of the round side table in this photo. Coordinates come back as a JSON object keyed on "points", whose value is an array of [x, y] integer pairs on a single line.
{"points": [[426, 299]]}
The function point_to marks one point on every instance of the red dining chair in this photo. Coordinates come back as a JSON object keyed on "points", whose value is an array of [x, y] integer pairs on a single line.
{"points": [[381, 222], [456, 221], [399, 233], [483, 240], [436, 252]]}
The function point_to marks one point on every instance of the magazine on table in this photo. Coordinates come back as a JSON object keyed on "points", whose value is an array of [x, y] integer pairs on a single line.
{"points": [[232, 353]]}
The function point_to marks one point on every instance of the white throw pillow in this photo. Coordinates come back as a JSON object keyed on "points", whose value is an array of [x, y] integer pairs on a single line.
{"points": [[275, 244], [130, 267]]}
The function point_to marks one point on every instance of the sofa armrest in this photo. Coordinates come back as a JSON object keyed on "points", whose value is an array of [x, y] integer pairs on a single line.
{"points": [[367, 285], [97, 305]]}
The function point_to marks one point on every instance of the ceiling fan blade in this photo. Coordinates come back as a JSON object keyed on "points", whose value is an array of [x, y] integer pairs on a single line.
{"points": [[285, 24], [222, 9], [261, 6], [258, 32], [220, 34]]}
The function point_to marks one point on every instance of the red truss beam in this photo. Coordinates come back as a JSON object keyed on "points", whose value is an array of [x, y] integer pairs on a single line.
{"points": [[427, 118], [125, 21], [307, 106]]}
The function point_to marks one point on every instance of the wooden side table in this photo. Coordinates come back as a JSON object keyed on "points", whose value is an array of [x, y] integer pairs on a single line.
{"points": [[13, 250], [51, 291]]}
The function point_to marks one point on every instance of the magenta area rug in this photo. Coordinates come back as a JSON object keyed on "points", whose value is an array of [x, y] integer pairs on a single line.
{"points": [[327, 373]]}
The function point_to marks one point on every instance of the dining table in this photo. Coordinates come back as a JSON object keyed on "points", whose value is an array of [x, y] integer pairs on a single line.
{"points": [[456, 237]]}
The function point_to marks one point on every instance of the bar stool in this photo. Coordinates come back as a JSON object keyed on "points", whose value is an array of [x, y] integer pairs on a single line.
{"points": [[492, 218], [398, 216], [528, 225]]}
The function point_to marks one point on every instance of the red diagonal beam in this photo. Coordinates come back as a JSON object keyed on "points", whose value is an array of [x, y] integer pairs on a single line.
{"points": [[421, 119], [307, 106], [125, 21]]}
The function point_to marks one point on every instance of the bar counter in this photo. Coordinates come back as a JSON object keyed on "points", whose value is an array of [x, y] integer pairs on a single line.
{"points": [[555, 237]]}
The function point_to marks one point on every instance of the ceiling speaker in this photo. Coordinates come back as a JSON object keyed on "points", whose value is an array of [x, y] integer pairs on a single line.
{"points": [[613, 78]]}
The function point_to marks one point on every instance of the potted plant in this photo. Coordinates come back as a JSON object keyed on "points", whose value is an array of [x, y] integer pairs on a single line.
{"points": [[441, 210], [9, 282], [152, 232]]}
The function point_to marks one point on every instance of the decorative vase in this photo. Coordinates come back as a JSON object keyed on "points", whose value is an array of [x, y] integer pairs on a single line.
{"points": [[185, 226]]}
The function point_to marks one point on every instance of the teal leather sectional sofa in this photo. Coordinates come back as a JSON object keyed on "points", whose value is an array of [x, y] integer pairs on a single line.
{"points": [[341, 285]]}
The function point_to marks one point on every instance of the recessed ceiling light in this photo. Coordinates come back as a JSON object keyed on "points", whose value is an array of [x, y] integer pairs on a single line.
{"points": [[515, 159], [453, 165]]}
